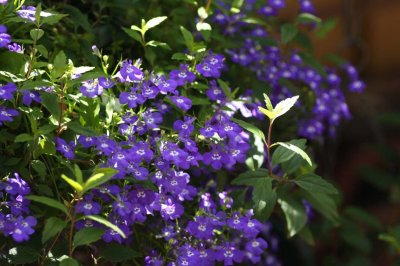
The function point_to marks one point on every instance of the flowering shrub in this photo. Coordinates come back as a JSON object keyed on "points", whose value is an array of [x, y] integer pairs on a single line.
{"points": [[118, 152]]}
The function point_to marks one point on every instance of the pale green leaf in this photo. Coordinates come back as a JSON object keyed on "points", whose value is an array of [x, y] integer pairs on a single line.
{"points": [[78, 187], [295, 149], [284, 106], [105, 222], [155, 21]]}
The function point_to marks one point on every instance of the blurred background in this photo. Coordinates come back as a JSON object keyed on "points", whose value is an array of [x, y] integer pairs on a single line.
{"points": [[365, 158]]}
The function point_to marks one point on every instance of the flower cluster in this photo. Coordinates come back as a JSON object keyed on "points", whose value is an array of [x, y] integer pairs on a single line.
{"points": [[216, 234], [14, 209], [281, 70]]}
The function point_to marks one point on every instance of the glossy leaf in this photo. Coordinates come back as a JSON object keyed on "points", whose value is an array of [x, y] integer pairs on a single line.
{"points": [[49, 202], [314, 183], [282, 154], [155, 21], [249, 127], [296, 150], [105, 222]]}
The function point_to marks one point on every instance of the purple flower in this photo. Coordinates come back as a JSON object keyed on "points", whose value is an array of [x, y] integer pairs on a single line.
{"points": [[306, 6], [256, 246], [88, 206], [66, 149], [5, 38], [105, 83], [357, 86], [7, 91], [217, 158], [277, 3], [181, 102], [129, 72], [91, 88], [229, 254], [23, 228], [208, 70], [182, 75], [6, 115], [86, 141], [132, 98], [184, 128], [15, 48], [29, 13], [215, 93], [111, 235], [29, 96], [171, 210], [153, 259], [202, 227]]}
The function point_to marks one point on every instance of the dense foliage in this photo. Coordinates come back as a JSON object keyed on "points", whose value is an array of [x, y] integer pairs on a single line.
{"points": [[140, 136]]}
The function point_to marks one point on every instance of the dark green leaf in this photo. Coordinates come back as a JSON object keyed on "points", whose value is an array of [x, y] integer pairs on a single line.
{"points": [[49, 202], [81, 130], [36, 34], [134, 34], [50, 101], [282, 154], [187, 36], [249, 127], [288, 32], [314, 183], [250, 177], [324, 204], [296, 150], [117, 253], [23, 138], [264, 198], [52, 227], [39, 167], [69, 262], [86, 236], [23, 255]]}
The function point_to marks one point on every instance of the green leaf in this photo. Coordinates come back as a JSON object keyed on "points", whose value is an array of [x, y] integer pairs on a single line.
{"points": [[78, 187], [133, 34], [46, 129], [314, 183], [268, 102], [105, 222], [78, 174], [69, 262], [295, 214], [284, 106], [117, 253], [225, 88], [78, 17], [22, 255], [325, 27], [282, 154], [295, 149], [154, 22], [60, 64], [188, 37], [363, 217], [308, 18], [39, 167], [288, 32], [49, 202], [307, 235], [99, 177], [87, 235], [81, 130], [52, 227], [251, 128], [50, 101], [158, 44], [236, 6], [23, 138], [250, 177], [264, 197], [324, 204], [36, 34]]}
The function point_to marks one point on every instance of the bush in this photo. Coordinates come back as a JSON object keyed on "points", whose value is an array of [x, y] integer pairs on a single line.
{"points": [[153, 146]]}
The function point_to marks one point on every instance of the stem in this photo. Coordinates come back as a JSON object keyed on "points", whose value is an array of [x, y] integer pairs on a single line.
{"points": [[268, 144], [71, 229]]}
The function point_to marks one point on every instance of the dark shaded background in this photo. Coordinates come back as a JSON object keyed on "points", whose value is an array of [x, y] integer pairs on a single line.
{"points": [[367, 147]]}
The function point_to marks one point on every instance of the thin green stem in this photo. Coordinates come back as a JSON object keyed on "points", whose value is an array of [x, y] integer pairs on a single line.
{"points": [[268, 144]]}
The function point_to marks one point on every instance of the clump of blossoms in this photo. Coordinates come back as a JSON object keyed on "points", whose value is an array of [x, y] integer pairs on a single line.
{"points": [[215, 234], [273, 66], [15, 220]]}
